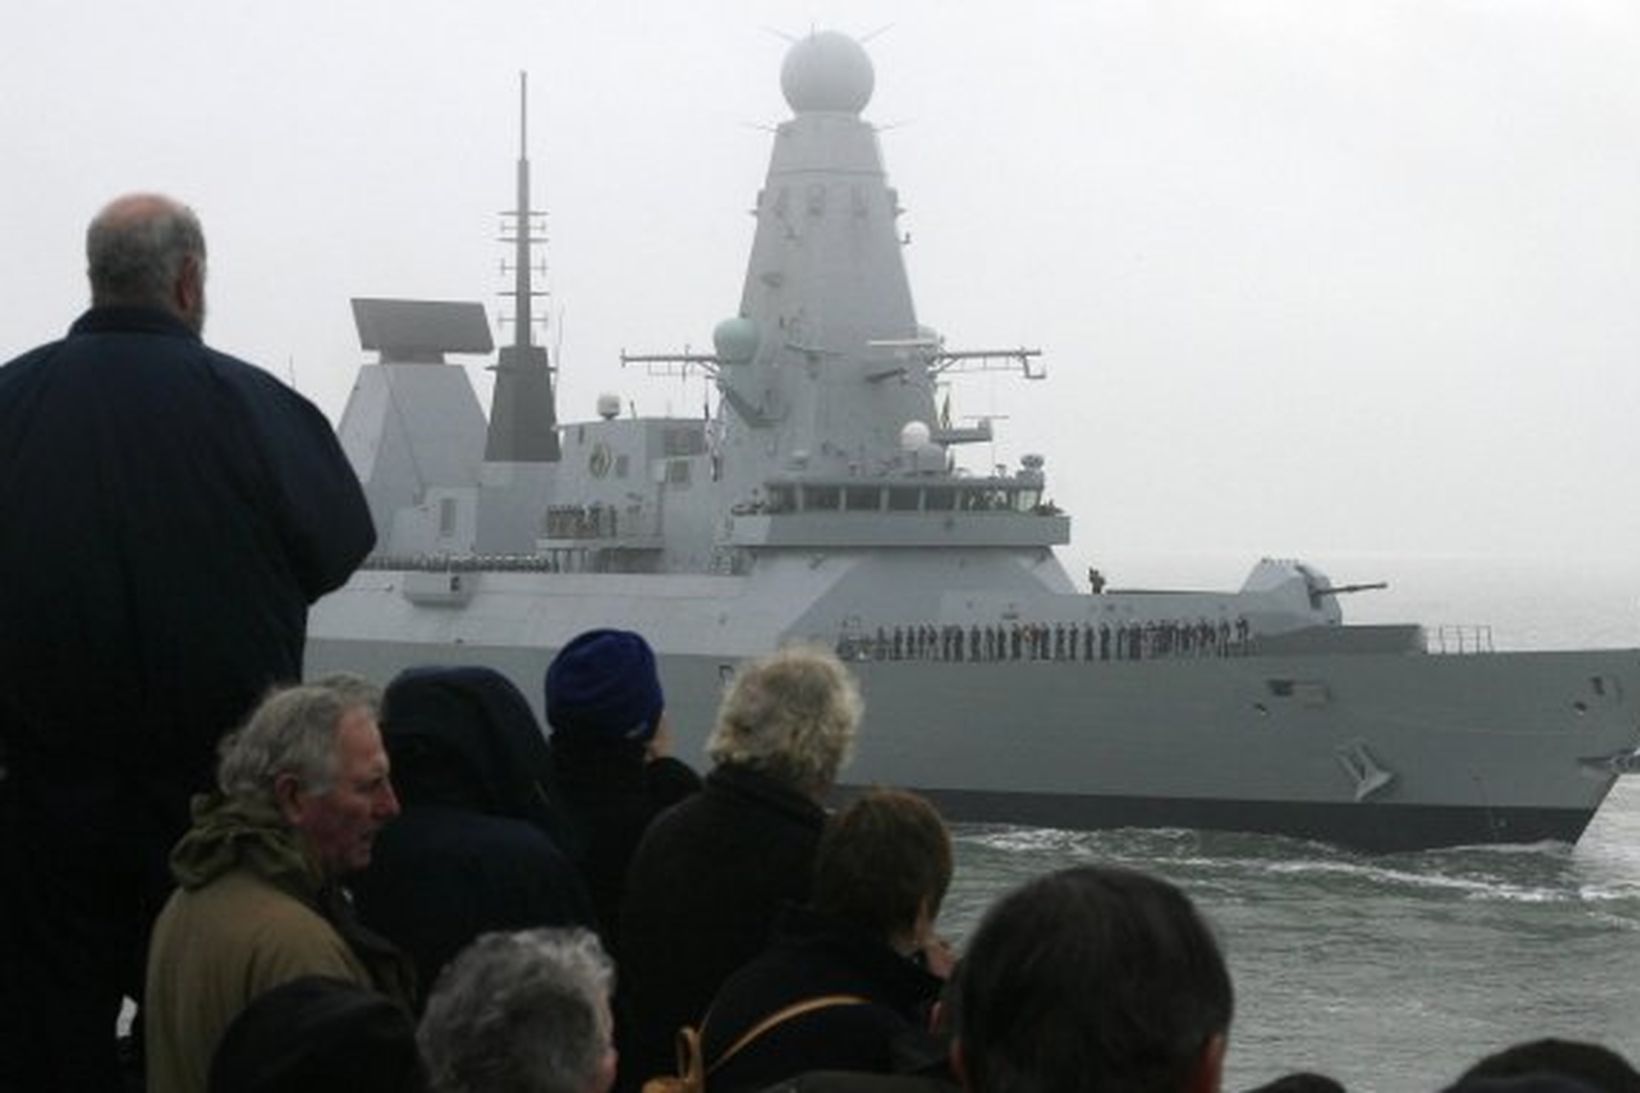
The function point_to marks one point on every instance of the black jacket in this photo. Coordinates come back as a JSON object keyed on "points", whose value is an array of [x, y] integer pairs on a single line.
{"points": [[441, 876], [703, 892], [607, 794], [169, 512], [474, 849], [813, 956]]}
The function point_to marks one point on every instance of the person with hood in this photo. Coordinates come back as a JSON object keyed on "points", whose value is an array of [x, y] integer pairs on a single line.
{"points": [[475, 848], [303, 791], [612, 772]]}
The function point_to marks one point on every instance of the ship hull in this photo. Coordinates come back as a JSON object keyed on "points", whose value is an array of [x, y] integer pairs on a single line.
{"points": [[1377, 751]]}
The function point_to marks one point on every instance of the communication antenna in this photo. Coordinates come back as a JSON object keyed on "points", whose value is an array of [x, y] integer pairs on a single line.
{"points": [[523, 411]]}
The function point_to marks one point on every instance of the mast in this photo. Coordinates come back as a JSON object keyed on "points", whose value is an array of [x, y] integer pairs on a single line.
{"points": [[523, 415], [524, 225]]}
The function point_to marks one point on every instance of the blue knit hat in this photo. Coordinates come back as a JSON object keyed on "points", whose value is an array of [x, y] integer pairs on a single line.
{"points": [[603, 685]]}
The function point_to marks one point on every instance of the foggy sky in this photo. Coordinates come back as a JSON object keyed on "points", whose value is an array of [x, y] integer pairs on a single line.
{"points": [[1326, 280]]}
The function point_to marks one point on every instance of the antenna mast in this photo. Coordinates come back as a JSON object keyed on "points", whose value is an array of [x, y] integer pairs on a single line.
{"points": [[523, 414], [524, 226]]}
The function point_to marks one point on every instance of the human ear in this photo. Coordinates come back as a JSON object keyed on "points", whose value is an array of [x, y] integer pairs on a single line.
{"points": [[289, 797], [1208, 1073], [188, 293]]}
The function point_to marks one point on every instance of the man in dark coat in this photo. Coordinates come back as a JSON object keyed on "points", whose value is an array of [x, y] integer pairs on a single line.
{"points": [[167, 513], [474, 849], [612, 771], [712, 873]]}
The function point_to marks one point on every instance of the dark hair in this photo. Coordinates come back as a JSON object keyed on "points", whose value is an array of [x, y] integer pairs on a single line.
{"points": [[879, 859], [313, 1035], [1300, 1081], [1594, 1065], [1095, 978]]}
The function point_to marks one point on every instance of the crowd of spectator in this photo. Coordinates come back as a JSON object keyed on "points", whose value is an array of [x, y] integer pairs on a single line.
{"points": [[745, 939]]}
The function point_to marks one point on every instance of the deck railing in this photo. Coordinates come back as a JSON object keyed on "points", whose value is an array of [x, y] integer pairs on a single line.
{"points": [[1458, 639]]}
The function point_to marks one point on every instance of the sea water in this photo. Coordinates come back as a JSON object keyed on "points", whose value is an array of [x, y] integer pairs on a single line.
{"points": [[1394, 972]]}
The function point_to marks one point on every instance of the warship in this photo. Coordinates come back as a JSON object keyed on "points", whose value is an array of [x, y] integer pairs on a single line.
{"points": [[823, 501]]}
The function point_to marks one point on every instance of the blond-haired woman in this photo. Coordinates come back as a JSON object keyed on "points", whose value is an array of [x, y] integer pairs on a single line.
{"points": [[713, 872]]}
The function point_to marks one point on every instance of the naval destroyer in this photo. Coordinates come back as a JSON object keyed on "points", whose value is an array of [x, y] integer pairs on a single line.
{"points": [[823, 501]]}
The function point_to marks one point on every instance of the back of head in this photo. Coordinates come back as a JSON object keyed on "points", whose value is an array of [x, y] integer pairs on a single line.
{"points": [[1090, 979], [881, 860], [792, 715], [603, 688], [1594, 1065], [293, 731], [1538, 1081], [136, 248], [525, 1012], [1301, 1081], [465, 737], [316, 1035]]}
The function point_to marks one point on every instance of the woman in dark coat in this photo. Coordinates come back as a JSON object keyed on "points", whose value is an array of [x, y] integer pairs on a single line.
{"points": [[474, 849], [712, 873], [864, 956]]}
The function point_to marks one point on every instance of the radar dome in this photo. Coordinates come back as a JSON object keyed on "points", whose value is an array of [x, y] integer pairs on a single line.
{"points": [[609, 406], [914, 436], [735, 340], [829, 72]]}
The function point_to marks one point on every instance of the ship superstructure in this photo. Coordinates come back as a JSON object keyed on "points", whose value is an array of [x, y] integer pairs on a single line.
{"points": [[823, 501]]}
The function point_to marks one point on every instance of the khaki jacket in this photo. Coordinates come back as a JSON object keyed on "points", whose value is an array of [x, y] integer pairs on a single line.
{"points": [[244, 919]]}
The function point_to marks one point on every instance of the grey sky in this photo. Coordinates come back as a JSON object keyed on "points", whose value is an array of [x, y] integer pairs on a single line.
{"points": [[1338, 279]]}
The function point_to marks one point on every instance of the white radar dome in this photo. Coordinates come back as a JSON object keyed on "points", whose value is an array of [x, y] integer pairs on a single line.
{"points": [[735, 340], [914, 436], [827, 72], [609, 406]]}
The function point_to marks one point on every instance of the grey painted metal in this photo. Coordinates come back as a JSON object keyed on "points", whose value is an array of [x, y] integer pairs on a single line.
{"points": [[821, 502], [421, 331], [523, 413]]}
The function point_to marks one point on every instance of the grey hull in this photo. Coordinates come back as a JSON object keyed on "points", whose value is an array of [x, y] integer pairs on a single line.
{"points": [[1484, 748]]}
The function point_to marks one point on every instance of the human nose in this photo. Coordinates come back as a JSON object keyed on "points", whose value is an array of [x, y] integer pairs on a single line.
{"points": [[387, 804]]}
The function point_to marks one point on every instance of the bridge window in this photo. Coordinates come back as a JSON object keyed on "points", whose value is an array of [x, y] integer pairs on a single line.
{"points": [[902, 498], [940, 499], [863, 499], [822, 498]]}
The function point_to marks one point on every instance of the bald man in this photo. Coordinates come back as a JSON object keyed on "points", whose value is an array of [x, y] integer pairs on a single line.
{"points": [[167, 513]]}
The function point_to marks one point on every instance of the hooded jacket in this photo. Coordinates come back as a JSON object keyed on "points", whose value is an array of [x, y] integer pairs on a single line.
{"points": [[475, 848], [252, 910]]}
